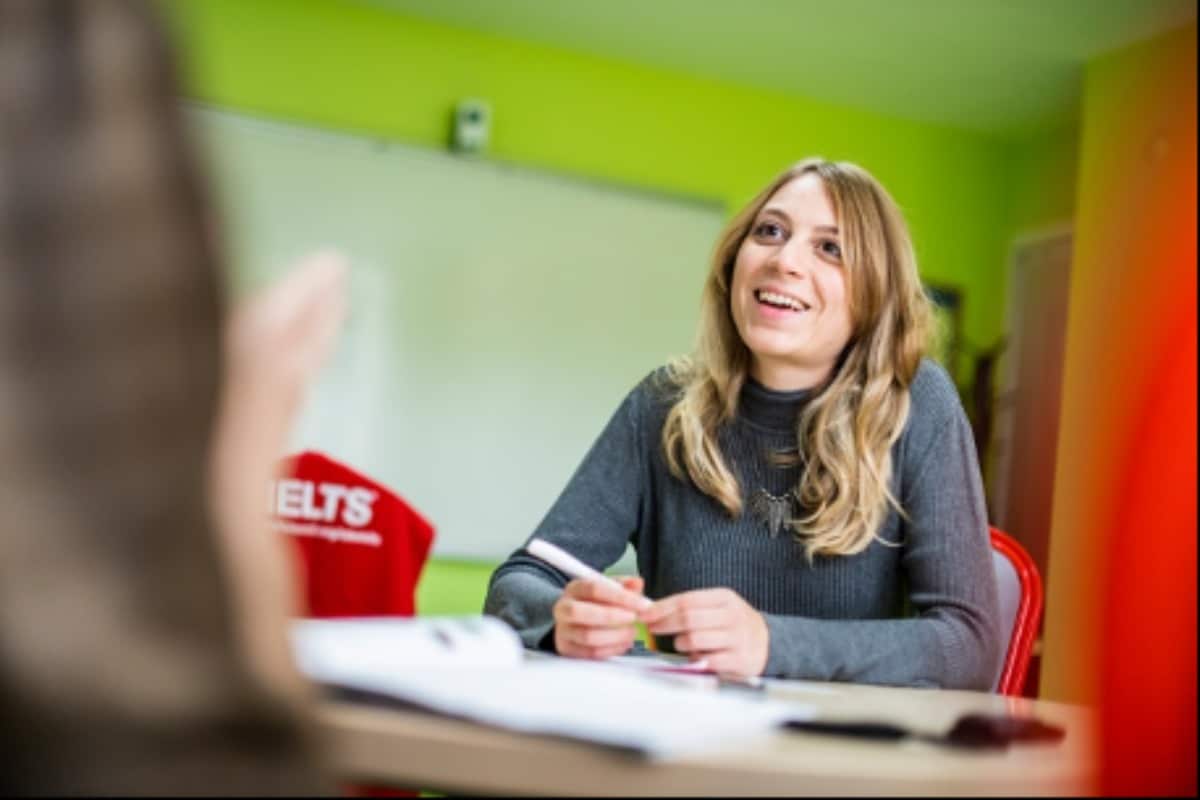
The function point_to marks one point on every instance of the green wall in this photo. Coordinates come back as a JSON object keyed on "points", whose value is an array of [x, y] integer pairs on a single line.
{"points": [[362, 68], [356, 67], [1041, 184], [452, 586], [1043, 178]]}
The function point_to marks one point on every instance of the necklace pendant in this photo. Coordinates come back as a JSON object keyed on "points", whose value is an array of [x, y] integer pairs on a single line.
{"points": [[771, 510]]}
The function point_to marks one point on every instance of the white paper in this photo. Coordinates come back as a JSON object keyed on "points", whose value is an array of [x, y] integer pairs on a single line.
{"points": [[370, 644], [655, 662], [590, 701]]}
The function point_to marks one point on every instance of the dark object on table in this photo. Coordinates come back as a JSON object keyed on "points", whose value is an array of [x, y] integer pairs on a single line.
{"points": [[995, 730], [974, 731]]}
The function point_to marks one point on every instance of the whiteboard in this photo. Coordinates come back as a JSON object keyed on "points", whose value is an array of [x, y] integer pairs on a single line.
{"points": [[497, 317]]}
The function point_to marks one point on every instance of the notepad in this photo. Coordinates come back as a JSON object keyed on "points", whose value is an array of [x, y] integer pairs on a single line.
{"points": [[477, 678], [364, 645]]}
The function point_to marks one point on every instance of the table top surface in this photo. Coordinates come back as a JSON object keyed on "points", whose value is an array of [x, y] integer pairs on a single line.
{"points": [[414, 749]]}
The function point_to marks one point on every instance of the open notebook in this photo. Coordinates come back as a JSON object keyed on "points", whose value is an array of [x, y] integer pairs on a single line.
{"points": [[476, 668]]}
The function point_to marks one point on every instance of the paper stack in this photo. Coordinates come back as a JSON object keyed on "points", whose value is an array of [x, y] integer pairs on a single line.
{"points": [[475, 668]]}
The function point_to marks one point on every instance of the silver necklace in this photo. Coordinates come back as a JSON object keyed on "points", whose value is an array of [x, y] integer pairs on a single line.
{"points": [[772, 510]]}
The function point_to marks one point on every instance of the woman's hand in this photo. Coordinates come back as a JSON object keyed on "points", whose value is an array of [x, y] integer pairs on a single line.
{"points": [[595, 620], [715, 625]]}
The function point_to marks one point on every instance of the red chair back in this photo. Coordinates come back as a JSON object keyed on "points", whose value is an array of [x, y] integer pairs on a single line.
{"points": [[1020, 587], [360, 547]]}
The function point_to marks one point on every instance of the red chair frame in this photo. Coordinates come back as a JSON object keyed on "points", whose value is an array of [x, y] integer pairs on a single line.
{"points": [[1028, 618]]}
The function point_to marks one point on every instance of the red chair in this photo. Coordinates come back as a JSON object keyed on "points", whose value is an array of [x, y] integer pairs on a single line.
{"points": [[1020, 588], [359, 547]]}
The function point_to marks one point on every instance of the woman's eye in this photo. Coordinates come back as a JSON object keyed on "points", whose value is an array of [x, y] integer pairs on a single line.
{"points": [[831, 249], [768, 230]]}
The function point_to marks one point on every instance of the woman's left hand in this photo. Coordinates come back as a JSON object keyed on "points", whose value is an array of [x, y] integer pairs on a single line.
{"points": [[715, 625]]}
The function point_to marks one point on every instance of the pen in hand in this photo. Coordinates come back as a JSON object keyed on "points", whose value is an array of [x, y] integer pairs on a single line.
{"points": [[557, 557]]}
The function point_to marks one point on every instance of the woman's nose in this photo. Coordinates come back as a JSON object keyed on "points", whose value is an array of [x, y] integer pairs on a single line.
{"points": [[789, 260]]}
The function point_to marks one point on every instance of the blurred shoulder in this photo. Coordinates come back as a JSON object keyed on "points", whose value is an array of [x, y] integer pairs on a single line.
{"points": [[663, 385], [934, 397]]}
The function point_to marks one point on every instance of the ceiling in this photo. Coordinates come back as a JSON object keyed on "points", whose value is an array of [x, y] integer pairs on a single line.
{"points": [[1004, 67]]}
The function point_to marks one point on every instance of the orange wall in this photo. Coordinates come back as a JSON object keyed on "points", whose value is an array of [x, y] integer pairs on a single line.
{"points": [[1121, 613]]}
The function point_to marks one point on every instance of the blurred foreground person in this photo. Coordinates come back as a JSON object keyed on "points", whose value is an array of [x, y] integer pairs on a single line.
{"points": [[143, 601]]}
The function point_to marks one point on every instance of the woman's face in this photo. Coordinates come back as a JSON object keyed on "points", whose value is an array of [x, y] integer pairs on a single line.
{"points": [[788, 296]]}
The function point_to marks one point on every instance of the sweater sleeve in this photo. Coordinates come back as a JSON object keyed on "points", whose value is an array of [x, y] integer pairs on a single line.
{"points": [[954, 640], [593, 519]]}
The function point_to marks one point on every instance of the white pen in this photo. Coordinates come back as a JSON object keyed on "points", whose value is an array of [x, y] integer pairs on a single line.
{"points": [[557, 557]]}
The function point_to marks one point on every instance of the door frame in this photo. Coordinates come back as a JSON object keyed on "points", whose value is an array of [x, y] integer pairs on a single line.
{"points": [[1003, 420]]}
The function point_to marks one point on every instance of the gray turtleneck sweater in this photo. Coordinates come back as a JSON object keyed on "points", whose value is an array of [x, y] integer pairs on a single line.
{"points": [[918, 608]]}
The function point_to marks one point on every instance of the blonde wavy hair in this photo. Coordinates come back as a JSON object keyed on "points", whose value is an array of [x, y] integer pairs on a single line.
{"points": [[845, 433]]}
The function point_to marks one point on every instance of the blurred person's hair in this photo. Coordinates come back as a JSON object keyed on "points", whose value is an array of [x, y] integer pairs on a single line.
{"points": [[119, 664], [847, 430]]}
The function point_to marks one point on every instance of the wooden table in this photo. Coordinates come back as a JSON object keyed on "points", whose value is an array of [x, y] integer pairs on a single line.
{"points": [[415, 749]]}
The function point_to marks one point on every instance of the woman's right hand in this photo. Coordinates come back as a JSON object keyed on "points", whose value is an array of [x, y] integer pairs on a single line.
{"points": [[595, 620]]}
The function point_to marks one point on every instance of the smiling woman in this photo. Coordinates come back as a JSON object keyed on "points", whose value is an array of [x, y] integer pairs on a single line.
{"points": [[788, 297], [857, 329], [807, 407]]}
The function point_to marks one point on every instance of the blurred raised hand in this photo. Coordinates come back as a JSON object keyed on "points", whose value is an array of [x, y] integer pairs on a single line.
{"points": [[275, 344]]}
